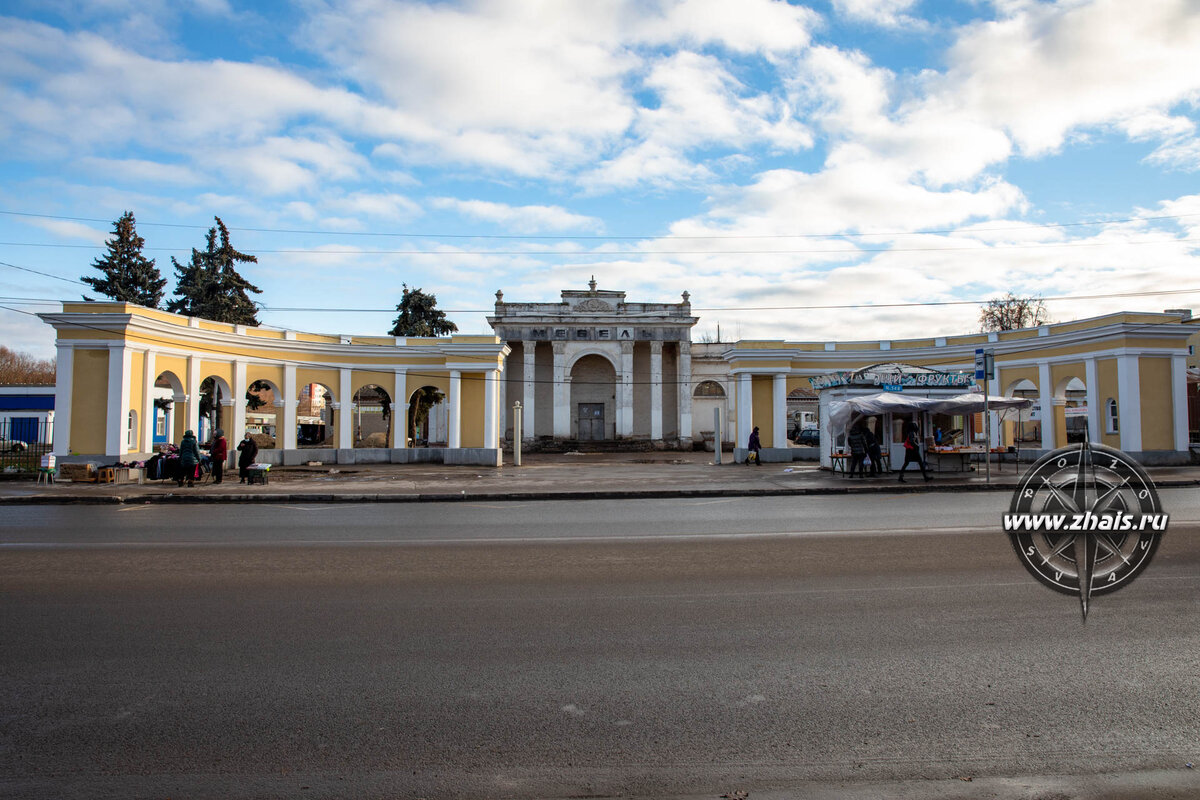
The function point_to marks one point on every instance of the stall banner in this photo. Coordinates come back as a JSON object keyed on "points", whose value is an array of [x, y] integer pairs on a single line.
{"points": [[893, 379]]}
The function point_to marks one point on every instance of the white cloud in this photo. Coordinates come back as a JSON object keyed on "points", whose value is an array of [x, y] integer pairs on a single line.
{"points": [[66, 229], [885, 13], [138, 170], [521, 219]]}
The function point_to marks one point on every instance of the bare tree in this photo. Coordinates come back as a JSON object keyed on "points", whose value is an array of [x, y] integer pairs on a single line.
{"points": [[22, 369], [1011, 312]]}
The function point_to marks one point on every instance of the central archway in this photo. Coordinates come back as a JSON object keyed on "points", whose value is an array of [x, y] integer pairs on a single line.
{"points": [[593, 405]]}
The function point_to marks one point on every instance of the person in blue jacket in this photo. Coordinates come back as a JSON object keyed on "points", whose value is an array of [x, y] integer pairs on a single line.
{"points": [[189, 457]]}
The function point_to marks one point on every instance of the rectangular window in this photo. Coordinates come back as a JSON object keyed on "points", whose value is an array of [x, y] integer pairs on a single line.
{"points": [[160, 425]]}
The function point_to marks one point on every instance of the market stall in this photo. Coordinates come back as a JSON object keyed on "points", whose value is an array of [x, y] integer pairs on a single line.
{"points": [[944, 406]]}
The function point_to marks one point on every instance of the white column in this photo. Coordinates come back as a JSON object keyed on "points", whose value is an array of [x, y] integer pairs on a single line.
{"points": [[501, 410], [745, 410], [193, 395], [345, 424], [400, 410], [64, 376], [289, 409], [528, 376], [685, 393], [562, 393], [656, 397], [1129, 404], [1046, 401], [625, 392], [491, 397], [149, 374], [454, 435], [1179, 403], [779, 411], [117, 423], [240, 387], [1095, 434]]}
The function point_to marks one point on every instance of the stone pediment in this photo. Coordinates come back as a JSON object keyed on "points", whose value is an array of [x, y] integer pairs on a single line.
{"points": [[593, 305]]}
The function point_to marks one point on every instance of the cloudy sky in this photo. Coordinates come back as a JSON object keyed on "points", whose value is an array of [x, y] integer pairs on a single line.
{"points": [[767, 157]]}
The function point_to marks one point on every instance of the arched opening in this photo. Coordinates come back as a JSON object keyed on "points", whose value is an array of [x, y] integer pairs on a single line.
{"points": [[372, 417], [709, 404], [1024, 424], [215, 398], [428, 422], [1072, 392], [315, 425], [263, 401], [167, 399], [802, 413], [593, 399]]}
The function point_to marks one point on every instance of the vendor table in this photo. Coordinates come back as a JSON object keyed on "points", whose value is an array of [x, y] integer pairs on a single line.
{"points": [[961, 455]]}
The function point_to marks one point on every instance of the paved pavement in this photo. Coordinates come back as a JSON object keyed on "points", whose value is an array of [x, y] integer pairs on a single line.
{"points": [[569, 476]]}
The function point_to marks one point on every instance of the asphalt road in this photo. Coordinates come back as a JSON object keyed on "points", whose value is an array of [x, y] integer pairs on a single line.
{"points": [[695, 647]]}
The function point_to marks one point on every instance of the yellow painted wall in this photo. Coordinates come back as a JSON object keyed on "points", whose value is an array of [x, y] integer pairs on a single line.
{"points": [[762, 389], [472, 387], [89, 401], [1106, 377], [137, 380], [326, 377], [263, 372], [1158, 429]]}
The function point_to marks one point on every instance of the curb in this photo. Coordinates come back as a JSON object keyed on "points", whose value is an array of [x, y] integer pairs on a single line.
{"points": [[463, 496]]}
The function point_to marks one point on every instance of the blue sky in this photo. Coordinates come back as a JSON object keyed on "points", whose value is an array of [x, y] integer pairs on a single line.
{"points": [[766, 157]]}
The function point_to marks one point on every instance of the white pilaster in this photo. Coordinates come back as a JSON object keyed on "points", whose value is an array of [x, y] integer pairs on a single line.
{"points": [[149, 375], [400, 410], [745, 410], [779, 411], [240, 386], [454, 435], [685, 392], [491, 396], [345, 425], [562, 393], [1090, 375], [289, 409], [501, 412], [625, 392], [117, 423], [192, 410], [656, 389], [1046, 402], [1129, 403], [64, 375], [1179, 403], [528, 376]]}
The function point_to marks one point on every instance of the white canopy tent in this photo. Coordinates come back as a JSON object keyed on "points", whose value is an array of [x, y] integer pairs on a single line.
{"points": [[843, 413]]}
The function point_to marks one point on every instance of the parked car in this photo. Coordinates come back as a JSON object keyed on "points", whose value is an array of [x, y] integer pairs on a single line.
{"points": [[809, 437], [12, 446]]}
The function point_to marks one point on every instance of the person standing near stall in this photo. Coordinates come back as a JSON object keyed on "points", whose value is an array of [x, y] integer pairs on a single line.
{"points": [[856, 440], [247, 452], [912, 450], [754, 446], [218, 453], [873, 451], [189, 458]]}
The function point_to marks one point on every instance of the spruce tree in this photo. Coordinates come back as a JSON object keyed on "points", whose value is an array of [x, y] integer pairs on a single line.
{"points": [[209, 286], [126, 275], [419, 315]]}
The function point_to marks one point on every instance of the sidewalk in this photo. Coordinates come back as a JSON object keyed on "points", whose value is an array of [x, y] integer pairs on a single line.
{"points": [[541, 477]]}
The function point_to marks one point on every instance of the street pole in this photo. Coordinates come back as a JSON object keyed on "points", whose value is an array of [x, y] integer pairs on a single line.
{"points": [[717, 435], [517, 433]]}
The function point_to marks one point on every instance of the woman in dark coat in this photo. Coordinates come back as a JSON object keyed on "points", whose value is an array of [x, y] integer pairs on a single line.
{"points": [[247, 452], [857, 441], [219, 452], [189, 457], [912, 450]]}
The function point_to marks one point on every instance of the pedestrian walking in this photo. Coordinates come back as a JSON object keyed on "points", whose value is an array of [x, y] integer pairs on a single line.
{"points": [[912, 450], [218, 453], [856, 440], [247, 452], [873, 451], [755, 447], [189, 458]]}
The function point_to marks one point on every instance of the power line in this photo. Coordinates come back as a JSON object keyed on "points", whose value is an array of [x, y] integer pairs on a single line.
{"points": [[598, 237], [977, 248]]}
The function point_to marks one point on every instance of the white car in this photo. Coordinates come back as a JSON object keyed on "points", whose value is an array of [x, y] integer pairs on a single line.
{"points": [[12, 446]]}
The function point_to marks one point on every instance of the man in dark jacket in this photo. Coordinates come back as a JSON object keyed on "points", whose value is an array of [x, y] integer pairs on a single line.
{"points": [[247, 452], [754, 446], [189, 457], [219, 452]]}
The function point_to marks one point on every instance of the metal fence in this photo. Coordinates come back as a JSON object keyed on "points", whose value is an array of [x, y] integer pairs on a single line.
{"points": [[23, 442]]}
